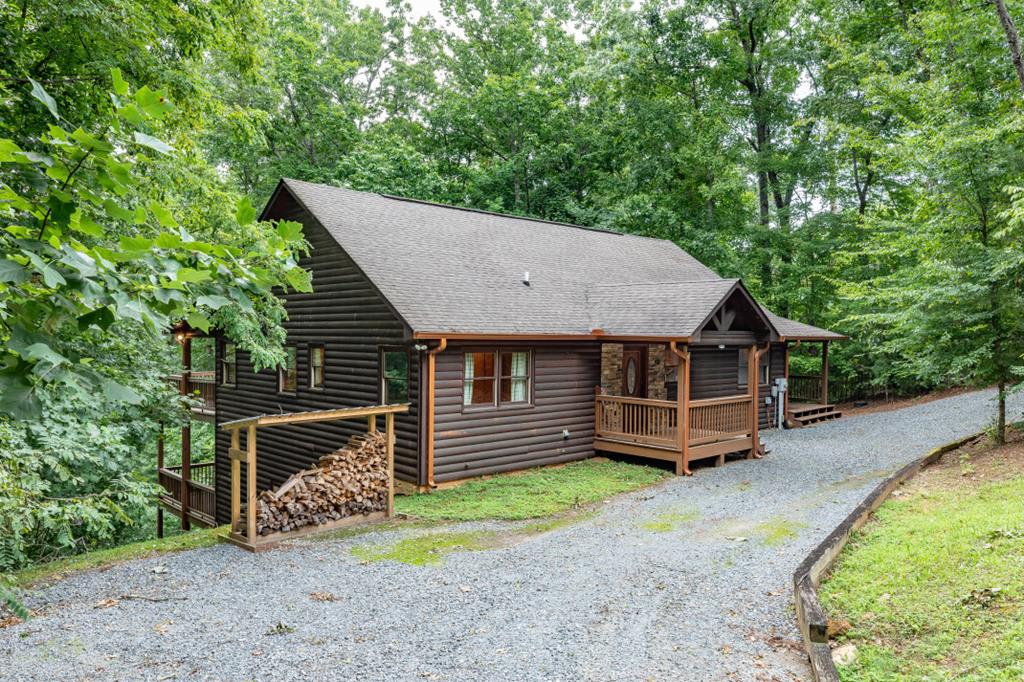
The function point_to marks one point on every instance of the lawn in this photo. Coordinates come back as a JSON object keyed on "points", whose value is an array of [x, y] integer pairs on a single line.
{"points": [[105, 557], [531, 494], [932, 587]]}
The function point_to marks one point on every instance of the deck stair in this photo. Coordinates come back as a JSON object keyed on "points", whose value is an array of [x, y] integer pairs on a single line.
{"points": [[803, 414]]}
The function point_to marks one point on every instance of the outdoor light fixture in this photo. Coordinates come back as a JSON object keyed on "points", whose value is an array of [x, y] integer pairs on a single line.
{"points": [[721, 346]]}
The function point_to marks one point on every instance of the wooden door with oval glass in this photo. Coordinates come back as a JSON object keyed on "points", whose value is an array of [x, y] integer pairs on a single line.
{"points": [[634, 371]]}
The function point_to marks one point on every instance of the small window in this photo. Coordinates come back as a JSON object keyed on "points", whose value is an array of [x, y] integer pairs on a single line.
{"points": [[478, 379], [287, 374], [229, 365], [765, 369], [316, 366], [394, 384], [515, 377]]}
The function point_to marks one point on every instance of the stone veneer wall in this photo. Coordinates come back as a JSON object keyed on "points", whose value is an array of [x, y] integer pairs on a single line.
{"points": [[658, 372]]}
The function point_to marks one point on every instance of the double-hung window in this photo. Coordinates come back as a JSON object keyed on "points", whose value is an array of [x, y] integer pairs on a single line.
{"points": [[288, 373], [229, 365], [496, 378], [316, 366], [394, 379]]}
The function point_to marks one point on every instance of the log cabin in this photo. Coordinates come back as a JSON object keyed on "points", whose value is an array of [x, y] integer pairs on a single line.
{"points": [[516, 343]]}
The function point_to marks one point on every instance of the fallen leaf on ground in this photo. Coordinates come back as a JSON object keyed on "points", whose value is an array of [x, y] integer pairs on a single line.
{"points": [[105, 603], [322, 596]]}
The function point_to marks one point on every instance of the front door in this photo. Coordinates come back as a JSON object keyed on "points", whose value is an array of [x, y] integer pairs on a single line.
{"points": [[634, 371]]}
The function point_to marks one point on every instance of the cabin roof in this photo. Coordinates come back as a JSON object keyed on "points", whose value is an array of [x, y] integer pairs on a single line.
{"points": [[452, 270]]}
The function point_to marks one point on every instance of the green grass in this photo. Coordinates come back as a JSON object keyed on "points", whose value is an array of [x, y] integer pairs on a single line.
{"points": [[670, 520], [531, 494], [429, 549], [933, 588], [106, 557]]}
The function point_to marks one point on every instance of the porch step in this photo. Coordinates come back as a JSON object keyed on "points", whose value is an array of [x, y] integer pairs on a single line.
{"points": [[803, 415]]}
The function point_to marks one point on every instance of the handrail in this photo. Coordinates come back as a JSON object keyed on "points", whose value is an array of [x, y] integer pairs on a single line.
{"points": [[729, 399], [636, 401]]}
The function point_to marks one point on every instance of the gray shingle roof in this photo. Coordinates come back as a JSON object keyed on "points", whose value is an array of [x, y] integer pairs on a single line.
{"points": [[793, 330], [454, 270]]}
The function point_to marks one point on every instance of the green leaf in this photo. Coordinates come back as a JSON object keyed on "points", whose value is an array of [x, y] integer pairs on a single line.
{"points": [[289, 230], [184, 275], [120, 392], [12, 272], [7, 151], [40, 94], [153, 143], [246, 213], [163, 216], [154, 104], [136, 244], [120, 85], [101, 317], [213, 301], [299, 279], [117, 212], [39, 352], [17, 395], [91, 142], [197, 320]]}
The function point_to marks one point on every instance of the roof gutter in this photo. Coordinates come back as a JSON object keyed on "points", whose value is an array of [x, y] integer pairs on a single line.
{"points": [[594, 335]]}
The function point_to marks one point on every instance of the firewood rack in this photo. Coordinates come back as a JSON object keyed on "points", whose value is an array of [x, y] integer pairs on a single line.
{"points": [[249, 539]]}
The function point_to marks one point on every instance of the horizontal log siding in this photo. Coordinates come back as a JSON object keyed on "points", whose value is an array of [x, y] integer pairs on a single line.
{"points": [[715, 374], [476, 441], [351, 320]]}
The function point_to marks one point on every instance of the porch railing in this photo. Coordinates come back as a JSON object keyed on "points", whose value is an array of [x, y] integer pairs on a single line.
{"points": [[716, 419], [201, 385], [202, 494], [654, 422], [638, 420], [805, 388]]}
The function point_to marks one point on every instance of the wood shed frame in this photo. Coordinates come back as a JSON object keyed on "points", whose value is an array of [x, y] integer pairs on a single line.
{"points": [[250, 540]]}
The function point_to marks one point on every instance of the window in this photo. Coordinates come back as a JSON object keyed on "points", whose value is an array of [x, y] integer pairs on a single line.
{"points": [[229, 365], [394, 380], [316, 366], [496, 378], [478, 379], [287, 374], [515, 377], [764, 371]]}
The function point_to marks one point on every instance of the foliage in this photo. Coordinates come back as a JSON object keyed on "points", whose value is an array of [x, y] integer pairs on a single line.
{"points": [[531, 494], [932, 586], [204, 537]]}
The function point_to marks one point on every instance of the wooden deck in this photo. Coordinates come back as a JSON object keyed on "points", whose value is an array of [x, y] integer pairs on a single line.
{"points": [[802, 414], [649, 428], [202, 492]]}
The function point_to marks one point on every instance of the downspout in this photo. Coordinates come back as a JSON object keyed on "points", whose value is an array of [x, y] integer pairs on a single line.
{"points": [[754, 371], [683, 408], [431, 355]]}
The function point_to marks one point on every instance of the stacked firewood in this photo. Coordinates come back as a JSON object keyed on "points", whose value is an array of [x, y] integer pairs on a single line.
{"points": [[349, 481]]}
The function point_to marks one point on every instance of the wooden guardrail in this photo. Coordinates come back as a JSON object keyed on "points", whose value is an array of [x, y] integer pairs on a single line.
{"points": [[717, 419], [202, 494], [639, 420], [250, 539]]}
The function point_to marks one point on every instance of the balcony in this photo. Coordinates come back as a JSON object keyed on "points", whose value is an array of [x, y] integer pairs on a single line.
{"points": [[202, 495], [200, 385]]}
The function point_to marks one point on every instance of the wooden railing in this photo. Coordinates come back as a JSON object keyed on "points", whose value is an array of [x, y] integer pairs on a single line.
{"points": [[202, 385], [718, 419], [805, 388], [202, 494], [638, 420]]}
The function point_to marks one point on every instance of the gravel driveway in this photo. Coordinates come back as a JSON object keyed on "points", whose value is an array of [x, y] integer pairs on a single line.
{"points": [[688, 580]]}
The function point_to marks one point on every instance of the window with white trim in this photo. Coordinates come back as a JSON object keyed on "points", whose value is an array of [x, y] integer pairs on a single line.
{"points": [[496, 378]]}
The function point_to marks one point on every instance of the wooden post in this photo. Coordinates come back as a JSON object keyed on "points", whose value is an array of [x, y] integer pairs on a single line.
{"points": [[824, 372], [389, 434], [159, 466], [371, 423], [429, 409], [682, 410], [250, 483], [236, 475], [753, 383], [785, 407], [186, 434]]}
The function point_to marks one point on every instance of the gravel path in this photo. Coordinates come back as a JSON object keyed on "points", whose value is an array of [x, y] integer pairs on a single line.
{"points": [[689, 580]]}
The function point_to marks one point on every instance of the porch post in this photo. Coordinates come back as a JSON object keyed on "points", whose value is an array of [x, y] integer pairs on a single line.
{"points": [[682, 410], [186, 433], [753, 384], [159, 466], [824, 372]]}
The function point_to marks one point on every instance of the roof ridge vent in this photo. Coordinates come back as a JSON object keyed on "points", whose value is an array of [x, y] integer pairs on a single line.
{"points": [[526, 278]]}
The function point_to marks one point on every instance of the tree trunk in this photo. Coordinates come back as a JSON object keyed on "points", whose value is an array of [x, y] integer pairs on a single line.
{"points": [[1012, 40], [1001, 417]]}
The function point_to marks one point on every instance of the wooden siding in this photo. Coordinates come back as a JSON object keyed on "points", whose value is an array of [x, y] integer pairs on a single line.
{"points": [[351, 320], [475, 441], [715, 374]]}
